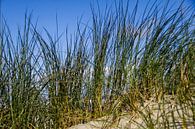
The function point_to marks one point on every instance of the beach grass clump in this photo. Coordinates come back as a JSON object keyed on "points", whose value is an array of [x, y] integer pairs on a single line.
{"points": [[118, 63]]}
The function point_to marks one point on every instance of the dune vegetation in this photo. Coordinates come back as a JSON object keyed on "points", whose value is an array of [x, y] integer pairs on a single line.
{"points": [[110, 66]]}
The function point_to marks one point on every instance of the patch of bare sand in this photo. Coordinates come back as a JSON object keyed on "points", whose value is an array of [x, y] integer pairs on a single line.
{"points": [[161, 114]]}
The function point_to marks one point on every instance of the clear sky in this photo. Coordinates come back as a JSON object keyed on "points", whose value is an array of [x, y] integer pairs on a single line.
{"points": [[68, 11]]}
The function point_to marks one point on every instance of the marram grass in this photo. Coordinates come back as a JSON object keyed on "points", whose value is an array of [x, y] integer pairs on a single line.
{"points": [[115, 64]]}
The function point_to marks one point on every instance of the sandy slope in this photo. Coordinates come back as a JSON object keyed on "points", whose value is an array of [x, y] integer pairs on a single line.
{"points": [[151, 111]]}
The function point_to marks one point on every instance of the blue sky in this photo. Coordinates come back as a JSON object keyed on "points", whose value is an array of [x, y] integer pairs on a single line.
{"points": [[68, 12]]}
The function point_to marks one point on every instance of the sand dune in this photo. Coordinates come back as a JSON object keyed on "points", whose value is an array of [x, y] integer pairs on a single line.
{"points": [[162, 114]]}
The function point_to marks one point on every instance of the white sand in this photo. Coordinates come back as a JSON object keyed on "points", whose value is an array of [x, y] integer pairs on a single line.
{"points": [[158, 109]]}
